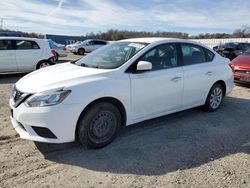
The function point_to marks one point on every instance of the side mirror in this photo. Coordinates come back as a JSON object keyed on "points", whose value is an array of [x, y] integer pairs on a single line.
{"points": [[144, 66]]}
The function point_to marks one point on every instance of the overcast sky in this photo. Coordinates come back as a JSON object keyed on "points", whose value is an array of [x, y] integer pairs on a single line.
{"points": [[76, 17]]}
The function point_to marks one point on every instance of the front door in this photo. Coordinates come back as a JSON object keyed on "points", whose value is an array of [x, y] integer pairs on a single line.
{"points": [[159, 90]]}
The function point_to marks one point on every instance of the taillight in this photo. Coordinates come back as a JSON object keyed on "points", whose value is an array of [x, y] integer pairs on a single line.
{"points": [[231, 66], [53, 52], [64, 49]]}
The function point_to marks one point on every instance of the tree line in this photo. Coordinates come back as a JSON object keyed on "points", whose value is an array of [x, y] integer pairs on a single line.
{"points": [[113, 34]]}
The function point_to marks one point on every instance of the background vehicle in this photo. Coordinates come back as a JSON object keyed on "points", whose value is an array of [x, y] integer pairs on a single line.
{"points": [[120, 84], [24, 54], [241, 68], [60, 49], [232, 50], [86, 46]]}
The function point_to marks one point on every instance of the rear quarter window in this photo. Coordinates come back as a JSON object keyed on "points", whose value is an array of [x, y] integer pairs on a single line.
{"points": [[209, 55]]}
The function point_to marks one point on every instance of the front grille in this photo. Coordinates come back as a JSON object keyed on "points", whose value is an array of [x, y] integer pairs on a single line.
{"points": [[242, 71], [18, 96]]}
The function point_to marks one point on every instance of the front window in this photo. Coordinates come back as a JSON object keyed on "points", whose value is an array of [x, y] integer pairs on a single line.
{"points": [[26, 45], [161, 57], [111, 56]]}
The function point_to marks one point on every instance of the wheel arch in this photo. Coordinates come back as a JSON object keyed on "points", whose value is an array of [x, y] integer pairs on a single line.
{"points": [[111, 100], [223, 84]]}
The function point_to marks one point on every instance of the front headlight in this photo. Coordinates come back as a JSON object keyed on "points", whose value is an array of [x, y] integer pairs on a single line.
{"points": [[48, 99]]}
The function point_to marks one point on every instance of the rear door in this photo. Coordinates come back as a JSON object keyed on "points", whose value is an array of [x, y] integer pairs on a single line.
{"points": [[7, 56], [199, 73], [28, 54]]}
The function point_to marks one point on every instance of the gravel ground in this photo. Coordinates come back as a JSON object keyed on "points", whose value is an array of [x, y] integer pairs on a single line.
{"points": [[192, 148]]}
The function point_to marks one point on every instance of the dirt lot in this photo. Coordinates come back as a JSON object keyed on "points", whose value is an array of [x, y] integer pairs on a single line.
{"points": [[187, 149]]}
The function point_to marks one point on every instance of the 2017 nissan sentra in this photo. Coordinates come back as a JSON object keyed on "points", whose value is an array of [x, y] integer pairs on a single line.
{"points": [[118, 85]]}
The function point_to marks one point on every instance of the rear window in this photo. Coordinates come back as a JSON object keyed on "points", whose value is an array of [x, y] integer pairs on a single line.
{"points": [[26, 45], [192, 54], [5, 45]]}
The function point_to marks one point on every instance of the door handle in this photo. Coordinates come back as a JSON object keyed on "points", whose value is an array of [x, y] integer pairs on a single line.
{"points": [[209, 73], [176, 79]]}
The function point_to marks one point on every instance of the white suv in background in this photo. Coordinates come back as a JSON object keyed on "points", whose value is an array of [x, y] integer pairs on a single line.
{"points": [[19, 54], [85, 46]]}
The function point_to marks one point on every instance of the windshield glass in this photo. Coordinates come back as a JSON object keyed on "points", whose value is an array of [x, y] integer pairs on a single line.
{"points": [[111, 56], [247, 52]]}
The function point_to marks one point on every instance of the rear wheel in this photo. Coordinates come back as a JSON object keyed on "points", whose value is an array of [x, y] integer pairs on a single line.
{"points": [[43, 64], [81, 51], [99, 125], [214, 98], [56, 56]]}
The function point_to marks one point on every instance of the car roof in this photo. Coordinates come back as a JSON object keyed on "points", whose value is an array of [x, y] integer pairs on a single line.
{"points": [[21, 38], [151, 40]]}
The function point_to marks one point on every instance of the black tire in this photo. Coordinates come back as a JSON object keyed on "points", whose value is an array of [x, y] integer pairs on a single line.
{"points": [[214, 98], [56, 57], [81, 51], [43, 64], [99, 125]]}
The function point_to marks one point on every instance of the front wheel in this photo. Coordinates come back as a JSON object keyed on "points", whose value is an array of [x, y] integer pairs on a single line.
{"points": [[99, 125], [214, 98]]}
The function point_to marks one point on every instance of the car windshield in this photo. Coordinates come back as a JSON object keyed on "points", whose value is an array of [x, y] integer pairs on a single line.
{"points": [[247, 52], [228, 45], [111, 56]]}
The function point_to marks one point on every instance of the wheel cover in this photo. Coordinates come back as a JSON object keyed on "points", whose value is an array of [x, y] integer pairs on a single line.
{"points": [[44, 64], [216, 97], [102, 127]]}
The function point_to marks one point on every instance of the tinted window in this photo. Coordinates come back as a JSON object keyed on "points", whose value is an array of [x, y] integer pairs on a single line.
{"points": [[26, 45], [192, 54], [209, 55], [161, 57], [246, 46], [5, 45], [91, 42], [99, 43]]}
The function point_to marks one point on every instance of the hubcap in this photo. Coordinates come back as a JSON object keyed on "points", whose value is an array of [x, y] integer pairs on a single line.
{"points": [[216, 97], [45, 64], [102, 126]]}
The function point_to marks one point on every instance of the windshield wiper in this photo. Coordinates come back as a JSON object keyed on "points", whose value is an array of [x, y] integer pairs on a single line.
{"points": [[91, 66]]}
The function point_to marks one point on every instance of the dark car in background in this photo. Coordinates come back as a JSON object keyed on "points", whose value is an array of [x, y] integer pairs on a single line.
{"points": [[232, 49], [241, 68]]}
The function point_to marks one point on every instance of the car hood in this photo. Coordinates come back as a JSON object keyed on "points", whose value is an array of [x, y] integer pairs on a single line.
{"points": [[59, 76], [242, 61]]}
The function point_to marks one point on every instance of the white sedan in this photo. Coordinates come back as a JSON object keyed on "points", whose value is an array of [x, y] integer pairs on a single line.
{"points": [[117, 85]]}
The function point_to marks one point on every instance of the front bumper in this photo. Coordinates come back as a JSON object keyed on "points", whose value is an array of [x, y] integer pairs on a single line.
{"points": [[41, 123]]}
